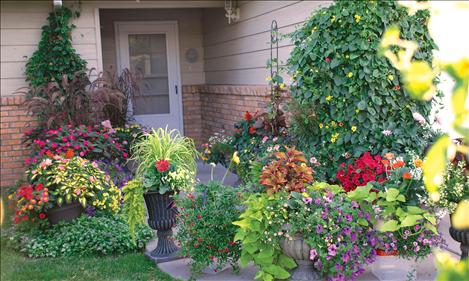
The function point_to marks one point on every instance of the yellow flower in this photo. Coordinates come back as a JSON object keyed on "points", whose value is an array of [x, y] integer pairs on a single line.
{"points": [[314, 29], [321, 125], [354, 129], [460, 218], [333, 124], [357, 110], [328, 98], [327, 127], [236, 157], [349, 75], [357, 18], [333, 19], [282, 86], [390, 77], [268, 78], [334, 137], [305, 195]]}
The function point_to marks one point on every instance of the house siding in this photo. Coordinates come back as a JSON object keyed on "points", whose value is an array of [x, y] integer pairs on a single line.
{"points": [[237, 53]]}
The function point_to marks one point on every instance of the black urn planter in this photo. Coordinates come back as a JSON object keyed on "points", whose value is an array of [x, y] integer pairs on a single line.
{"points": [[162, 218], [461, 236], [66, 212]]}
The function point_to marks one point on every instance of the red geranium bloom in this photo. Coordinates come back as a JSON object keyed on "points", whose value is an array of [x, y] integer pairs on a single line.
{"points": [[407, 176], [40, 186], [42, 216], [247, 116], [162, 165], [252, 130]]}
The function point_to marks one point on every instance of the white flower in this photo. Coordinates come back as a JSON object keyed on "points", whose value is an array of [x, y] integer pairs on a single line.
{"points": [[419, 118], [387, 132], [213, 165]]}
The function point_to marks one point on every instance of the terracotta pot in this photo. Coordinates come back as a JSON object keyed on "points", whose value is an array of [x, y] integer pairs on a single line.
{"points": [[299, 251], [162, 218], [461, 236], [66, 212], [382, 253]]}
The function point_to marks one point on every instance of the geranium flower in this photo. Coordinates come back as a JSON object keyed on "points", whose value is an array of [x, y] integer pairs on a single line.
{"points": [[252, 130], [162, 165], [247, 116], [406, 176], [42, 216]]}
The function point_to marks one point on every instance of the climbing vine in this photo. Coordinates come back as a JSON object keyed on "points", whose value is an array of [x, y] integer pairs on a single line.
{"points": [[55, 56], [349, 98]]}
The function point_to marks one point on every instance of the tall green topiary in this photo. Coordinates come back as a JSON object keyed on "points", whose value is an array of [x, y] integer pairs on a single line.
{"points": [[349, 99], [55, 56]]}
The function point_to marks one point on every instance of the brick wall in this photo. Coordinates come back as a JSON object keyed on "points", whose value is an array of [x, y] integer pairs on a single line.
{"points": [[13, 123], [207, 109]]}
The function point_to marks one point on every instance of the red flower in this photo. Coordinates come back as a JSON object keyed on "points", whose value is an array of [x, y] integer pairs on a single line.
{"points": [[196, 245], [397, 88], [162, 165], [69, 154], [247, 116], [398, 164], [406, 176], [199, 217], [42, 216], [328, 60], [17, 220], [125, 155], [252, 130], [40, 186]]}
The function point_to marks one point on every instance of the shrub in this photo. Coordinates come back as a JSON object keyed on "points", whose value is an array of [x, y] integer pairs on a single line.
{"points": [[206, 232], [100, 235], [287, 172], [129, 135], [93, 143], [356, 96], [55, 56], [74, 180]]}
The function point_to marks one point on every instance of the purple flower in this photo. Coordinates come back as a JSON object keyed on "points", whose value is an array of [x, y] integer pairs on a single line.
{"points": [[318, 265], [348, 217], [325, 214], [313, 254], [346, 231], [417, 227], [339, 267], [355, 204], [406, 232], [308, 200], [319, 228], [353, 237], [346, 257], [416, 249], [332, 250], [317, 201]]}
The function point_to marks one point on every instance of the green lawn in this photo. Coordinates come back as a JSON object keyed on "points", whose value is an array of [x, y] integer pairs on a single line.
{"points": [[134, 266]]}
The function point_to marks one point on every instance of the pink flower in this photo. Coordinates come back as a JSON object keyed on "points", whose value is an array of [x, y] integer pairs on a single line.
{"points": [[85, 143], [76, 147], [264, 139], [54, 145], [82, 153], [64, 139], [419, 118], [387, 132], [125, 155]]}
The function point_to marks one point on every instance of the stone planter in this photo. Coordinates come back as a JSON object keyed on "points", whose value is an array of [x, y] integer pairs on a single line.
{"points": [[162, 218], [388, 267], [299, 251], [461, 236], [66, 212]]}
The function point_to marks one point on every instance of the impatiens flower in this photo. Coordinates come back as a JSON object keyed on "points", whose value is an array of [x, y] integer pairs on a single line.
{"points": [[264, 139], [42, 216], [328, 60], [387, 132], [398, 164], [389, 156], [313, 254], [162, 165], [407, 176]]}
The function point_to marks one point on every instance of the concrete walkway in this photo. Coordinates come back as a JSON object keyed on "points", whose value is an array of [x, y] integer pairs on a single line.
{"points": [[179, 269]]}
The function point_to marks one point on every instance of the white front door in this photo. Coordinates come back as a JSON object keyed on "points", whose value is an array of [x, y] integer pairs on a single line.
{"points": [[150, 49]]}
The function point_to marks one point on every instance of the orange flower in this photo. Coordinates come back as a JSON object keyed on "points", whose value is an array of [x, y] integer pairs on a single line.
{"points": [[252, 130], [389, 156], [385, 162], [398, 164], [69, 154], [418, 163], [407, 176], [49, 154]]}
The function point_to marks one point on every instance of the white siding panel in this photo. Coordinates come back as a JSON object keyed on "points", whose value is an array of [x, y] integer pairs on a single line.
{"points": [[15, 37], [22, 53], [15, 70], [9, 86], [237, 53]]}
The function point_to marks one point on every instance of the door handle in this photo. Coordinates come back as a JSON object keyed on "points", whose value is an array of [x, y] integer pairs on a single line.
{"points": [[176, 87]]}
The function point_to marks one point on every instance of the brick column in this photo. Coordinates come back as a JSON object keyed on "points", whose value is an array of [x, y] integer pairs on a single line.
{"points": [[13, 123]]}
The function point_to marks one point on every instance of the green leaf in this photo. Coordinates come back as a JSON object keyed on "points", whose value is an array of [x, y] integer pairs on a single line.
{"points": [[391, 194], [391, 225], [245, 259], [415, 210], [410, 220], [286, 262], [361, 105], [277, 271], [363, 221], [244, 224], [431, 218]]}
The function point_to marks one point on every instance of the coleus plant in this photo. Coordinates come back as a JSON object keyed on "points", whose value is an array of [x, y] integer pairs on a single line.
{"points": [[287, 172]]}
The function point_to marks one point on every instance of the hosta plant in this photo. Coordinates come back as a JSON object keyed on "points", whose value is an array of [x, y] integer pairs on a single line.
{"points": [[288, 172], [205, 231], [76, 180]]}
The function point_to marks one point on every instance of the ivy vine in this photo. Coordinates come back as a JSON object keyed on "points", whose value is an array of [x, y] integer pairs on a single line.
{"points": [[55, 56]]}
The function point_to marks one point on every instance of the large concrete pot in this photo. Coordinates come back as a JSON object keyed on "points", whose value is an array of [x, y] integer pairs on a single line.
{"points": [[162, 218], [299, 251], [66, 213]]}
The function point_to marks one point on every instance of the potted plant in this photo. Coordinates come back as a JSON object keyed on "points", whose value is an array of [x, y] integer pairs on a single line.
{"points": [[166, 166], [62, 186], [328, 233], [455, 189], [205, 228]]}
